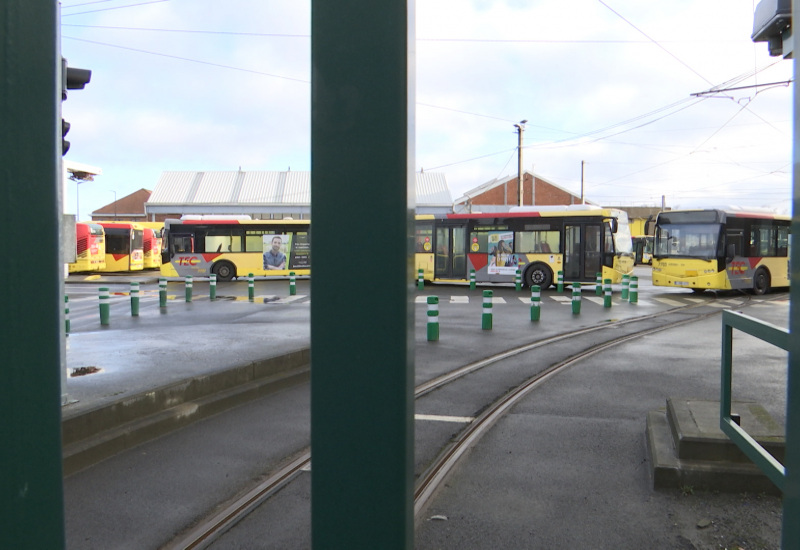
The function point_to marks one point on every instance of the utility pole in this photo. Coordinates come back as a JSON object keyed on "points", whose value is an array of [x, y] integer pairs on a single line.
{"points": [[520, 129], [583, 164]]}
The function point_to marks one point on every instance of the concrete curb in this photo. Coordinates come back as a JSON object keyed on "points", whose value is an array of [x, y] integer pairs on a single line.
{"points": [[91, 436]]}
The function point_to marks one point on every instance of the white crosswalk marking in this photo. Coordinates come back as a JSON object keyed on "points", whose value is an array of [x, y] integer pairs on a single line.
{"points": [[562, 299], [669, 302], [459, 299]]}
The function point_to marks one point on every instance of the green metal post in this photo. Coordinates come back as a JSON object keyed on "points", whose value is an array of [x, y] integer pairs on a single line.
{"points": [[212, 287], [518, 280], [292, 284], [626, 282], [634, 294], [188, 288], [486, 315], [790, 536], [134, 299], [105, 306], [576, 298], [362, 116], [162, 292], [536, 302], [560, 283], [472, 279], [420, 280], [251, 287], [598, 285], [433, 318], [607, 293], [31, 499], [66, 314]]}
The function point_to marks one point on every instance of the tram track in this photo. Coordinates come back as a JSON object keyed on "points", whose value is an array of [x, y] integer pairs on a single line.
{"points": [[207, 531]]}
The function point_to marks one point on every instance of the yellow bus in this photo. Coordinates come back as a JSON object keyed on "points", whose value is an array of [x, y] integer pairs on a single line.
{"points": [[580, 241], [90, 248], [721, 250], [124, 242], [232, 248]]}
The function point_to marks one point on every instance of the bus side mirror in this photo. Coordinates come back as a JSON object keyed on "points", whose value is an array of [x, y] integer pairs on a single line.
{"points": [[731, 252], [614, 225]]}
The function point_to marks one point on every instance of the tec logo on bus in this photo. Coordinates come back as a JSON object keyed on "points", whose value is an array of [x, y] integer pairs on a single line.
{"points": [[188, 260]]}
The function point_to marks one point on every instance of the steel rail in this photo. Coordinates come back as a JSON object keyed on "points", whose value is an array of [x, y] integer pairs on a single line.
{"points": [[203, 534]]}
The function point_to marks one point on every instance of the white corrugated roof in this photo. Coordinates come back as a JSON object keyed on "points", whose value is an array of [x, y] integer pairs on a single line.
{"points": [[264, 188]]}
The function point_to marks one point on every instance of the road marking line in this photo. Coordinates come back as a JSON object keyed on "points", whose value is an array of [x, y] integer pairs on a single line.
{"points": [[669, 302], [459, 299], [441, 418]]}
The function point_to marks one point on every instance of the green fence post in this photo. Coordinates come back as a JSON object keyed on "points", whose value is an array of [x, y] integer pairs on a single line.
{"points": [[560, 283], [598, 285], [105, 306], [626, 281], [607, 293], [433, 318], [576, 298], [292, 284], [518, 280], [472, 279], [212, 287], [420, 280], [66, 314], [634, 294], [188, 288], [162, 292], [536, 302], [251, 287], [486, 317], [134, 299]]}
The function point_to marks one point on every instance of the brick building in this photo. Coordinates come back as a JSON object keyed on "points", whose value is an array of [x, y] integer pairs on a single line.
{"points": [[128, 208], [500, 194]]}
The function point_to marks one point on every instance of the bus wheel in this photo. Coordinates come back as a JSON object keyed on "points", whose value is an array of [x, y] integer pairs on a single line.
{"points": [[225, 271], [539, 274], [761, 282]]}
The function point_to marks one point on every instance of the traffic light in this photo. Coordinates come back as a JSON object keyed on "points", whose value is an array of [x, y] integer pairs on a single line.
{"points": [[772, 23], [72, 78]]}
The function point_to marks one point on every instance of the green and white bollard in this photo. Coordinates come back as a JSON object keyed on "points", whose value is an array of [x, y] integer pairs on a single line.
{"points": [[134, 299], [472, 279], [66, 314], [626, 282], [212, 287], [486, 317], [560, 284], [105, 306], [420, 280], [162, 292], [598, 285], [536, 302], [292, 284], [251, 287], [576, 298], [188, 288], [634, 290], [518, 280], [433, 318], [607, 293]]}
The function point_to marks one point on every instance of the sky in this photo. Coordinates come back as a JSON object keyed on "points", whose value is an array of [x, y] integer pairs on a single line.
{"points": [[607, 87]]}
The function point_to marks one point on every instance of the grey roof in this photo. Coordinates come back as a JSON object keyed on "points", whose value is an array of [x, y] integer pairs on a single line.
{"points": [[266, 190]]}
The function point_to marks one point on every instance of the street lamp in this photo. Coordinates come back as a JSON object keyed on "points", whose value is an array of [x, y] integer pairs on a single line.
{"points": [[115, 205], [520, 129]]}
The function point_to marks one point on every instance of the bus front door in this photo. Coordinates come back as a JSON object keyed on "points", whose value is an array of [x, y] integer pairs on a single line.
{"points": [[582, 251], [451, 252]]}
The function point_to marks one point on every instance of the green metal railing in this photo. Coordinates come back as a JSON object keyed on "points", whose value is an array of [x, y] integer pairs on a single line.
{"points": [[774, 335]]}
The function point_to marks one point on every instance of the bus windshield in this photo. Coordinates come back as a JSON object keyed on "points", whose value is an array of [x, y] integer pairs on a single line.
{"points": [[688, 240]]}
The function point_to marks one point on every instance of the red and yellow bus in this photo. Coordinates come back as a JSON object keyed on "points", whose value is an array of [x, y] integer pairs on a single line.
{"points": [[124, 246], [232, 248], [721, 250], [151, 248], [90, 248], [578, 240]]}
